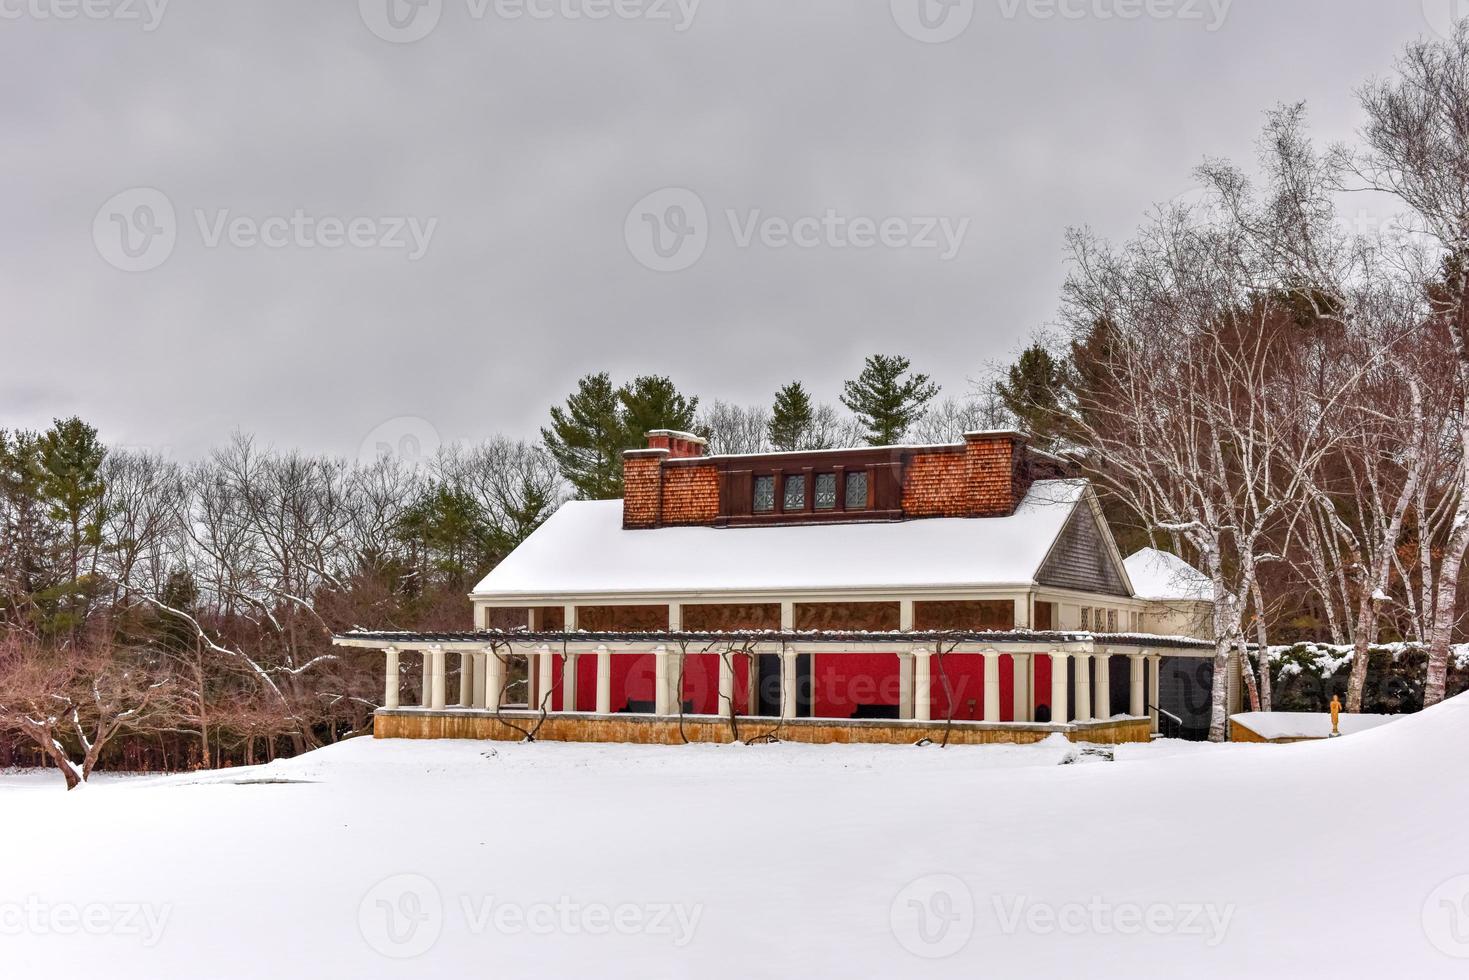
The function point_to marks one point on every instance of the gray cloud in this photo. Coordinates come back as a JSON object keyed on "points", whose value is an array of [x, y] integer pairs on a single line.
{"points": [[529, 140]]}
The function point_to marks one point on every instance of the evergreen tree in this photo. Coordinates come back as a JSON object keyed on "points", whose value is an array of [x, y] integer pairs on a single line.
{"points": [[792, 418], [886, 400], [588, 436], [653, 402], [1033, 391], [71, 485]]}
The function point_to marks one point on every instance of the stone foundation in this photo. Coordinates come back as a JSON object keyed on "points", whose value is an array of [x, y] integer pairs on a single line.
{"points": [[512, 725]]}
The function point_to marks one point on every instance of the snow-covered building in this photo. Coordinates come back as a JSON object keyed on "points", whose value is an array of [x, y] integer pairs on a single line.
{"points": [[846, 595]]}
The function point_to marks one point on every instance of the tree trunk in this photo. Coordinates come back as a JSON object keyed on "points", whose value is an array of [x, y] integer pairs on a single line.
{"points": [[1446, 608], [1361, 651]]}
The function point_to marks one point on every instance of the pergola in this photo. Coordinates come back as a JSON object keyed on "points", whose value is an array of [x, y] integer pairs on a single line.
{"points": [[485, 657]]}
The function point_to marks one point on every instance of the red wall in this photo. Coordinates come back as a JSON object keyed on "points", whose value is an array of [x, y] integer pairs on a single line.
{"points": [[841, 682]]}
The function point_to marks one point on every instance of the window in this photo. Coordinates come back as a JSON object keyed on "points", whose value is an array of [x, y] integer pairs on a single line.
{"points": [[795, 493], [764, 494], [857, 491], [1086, 617], [1111, 621], [826, 491]]}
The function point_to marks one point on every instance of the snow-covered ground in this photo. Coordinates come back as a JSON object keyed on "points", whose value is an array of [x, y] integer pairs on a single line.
{"points": [[1346, 858]]}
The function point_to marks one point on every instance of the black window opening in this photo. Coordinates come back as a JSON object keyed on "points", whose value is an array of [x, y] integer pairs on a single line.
{"points": [[764, 494], [795, 493], [826, 491], [856, 491]]}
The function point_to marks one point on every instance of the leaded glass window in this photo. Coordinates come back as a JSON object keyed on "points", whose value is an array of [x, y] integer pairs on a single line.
{"points": [[826, 491], [795, 493], [856, 491], [764, 493]]}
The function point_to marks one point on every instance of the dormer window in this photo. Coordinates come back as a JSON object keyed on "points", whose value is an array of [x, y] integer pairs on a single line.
{"points": [[795, 493], [764, 501], [826, 491], [857, 490]]}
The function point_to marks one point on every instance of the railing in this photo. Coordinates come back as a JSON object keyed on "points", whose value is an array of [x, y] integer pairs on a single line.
{"points": [[1164, 716]]}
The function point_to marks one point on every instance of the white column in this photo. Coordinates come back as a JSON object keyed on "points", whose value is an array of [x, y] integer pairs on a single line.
{"points": [[1135, 704], [390, 679], [1102, 690], [788, 684], [992, 685], [905, 685], [494, 679], [1155, 664], [787, 615], [922, 685], [1022, 612], [604, 681], [568, 618], [439, 659], [1083, 687], [726, 684], [1020, 687], [568, 683], [544, 681], [1058, 689], [905, 615], [466, 679], [426, 696], [481, 679], [661, 705]]}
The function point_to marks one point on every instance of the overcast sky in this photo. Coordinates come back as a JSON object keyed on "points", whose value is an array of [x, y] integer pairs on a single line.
{"points": [[302, 219]]}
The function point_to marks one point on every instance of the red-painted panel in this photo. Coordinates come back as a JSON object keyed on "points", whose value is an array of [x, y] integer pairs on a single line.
{"points": [[843, 681], [960, 675]]}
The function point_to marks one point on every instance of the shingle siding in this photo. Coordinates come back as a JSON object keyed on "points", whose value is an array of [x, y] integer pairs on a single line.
{"points": [[1081, 559]]}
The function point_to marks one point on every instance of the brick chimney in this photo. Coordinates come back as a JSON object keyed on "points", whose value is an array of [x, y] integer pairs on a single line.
{"points": [[995, 474], [680, 445], [642, 475]]}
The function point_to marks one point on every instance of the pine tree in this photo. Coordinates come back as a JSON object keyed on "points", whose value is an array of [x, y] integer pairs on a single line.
{"points": [[885, 400], [791, 418], [1032, 392], [588, 436], [653, 402], [71, 484]]}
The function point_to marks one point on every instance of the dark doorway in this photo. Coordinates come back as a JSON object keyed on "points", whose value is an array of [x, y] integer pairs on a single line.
{"points": [[767, 686]]}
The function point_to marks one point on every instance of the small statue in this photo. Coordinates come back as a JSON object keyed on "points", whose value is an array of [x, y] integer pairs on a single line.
{"points": [[1335, 716]]}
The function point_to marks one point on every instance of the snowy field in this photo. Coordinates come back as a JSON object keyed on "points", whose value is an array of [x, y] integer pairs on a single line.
{"points": [[1347, 858]]}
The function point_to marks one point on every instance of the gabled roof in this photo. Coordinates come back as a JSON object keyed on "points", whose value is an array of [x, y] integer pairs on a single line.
{"points": [[1166, 577], [583, 550]]}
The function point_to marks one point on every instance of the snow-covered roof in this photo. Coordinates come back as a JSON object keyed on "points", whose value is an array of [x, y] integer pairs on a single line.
{"points": [[1307, 724], [1160, 575], [583, 549]]}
